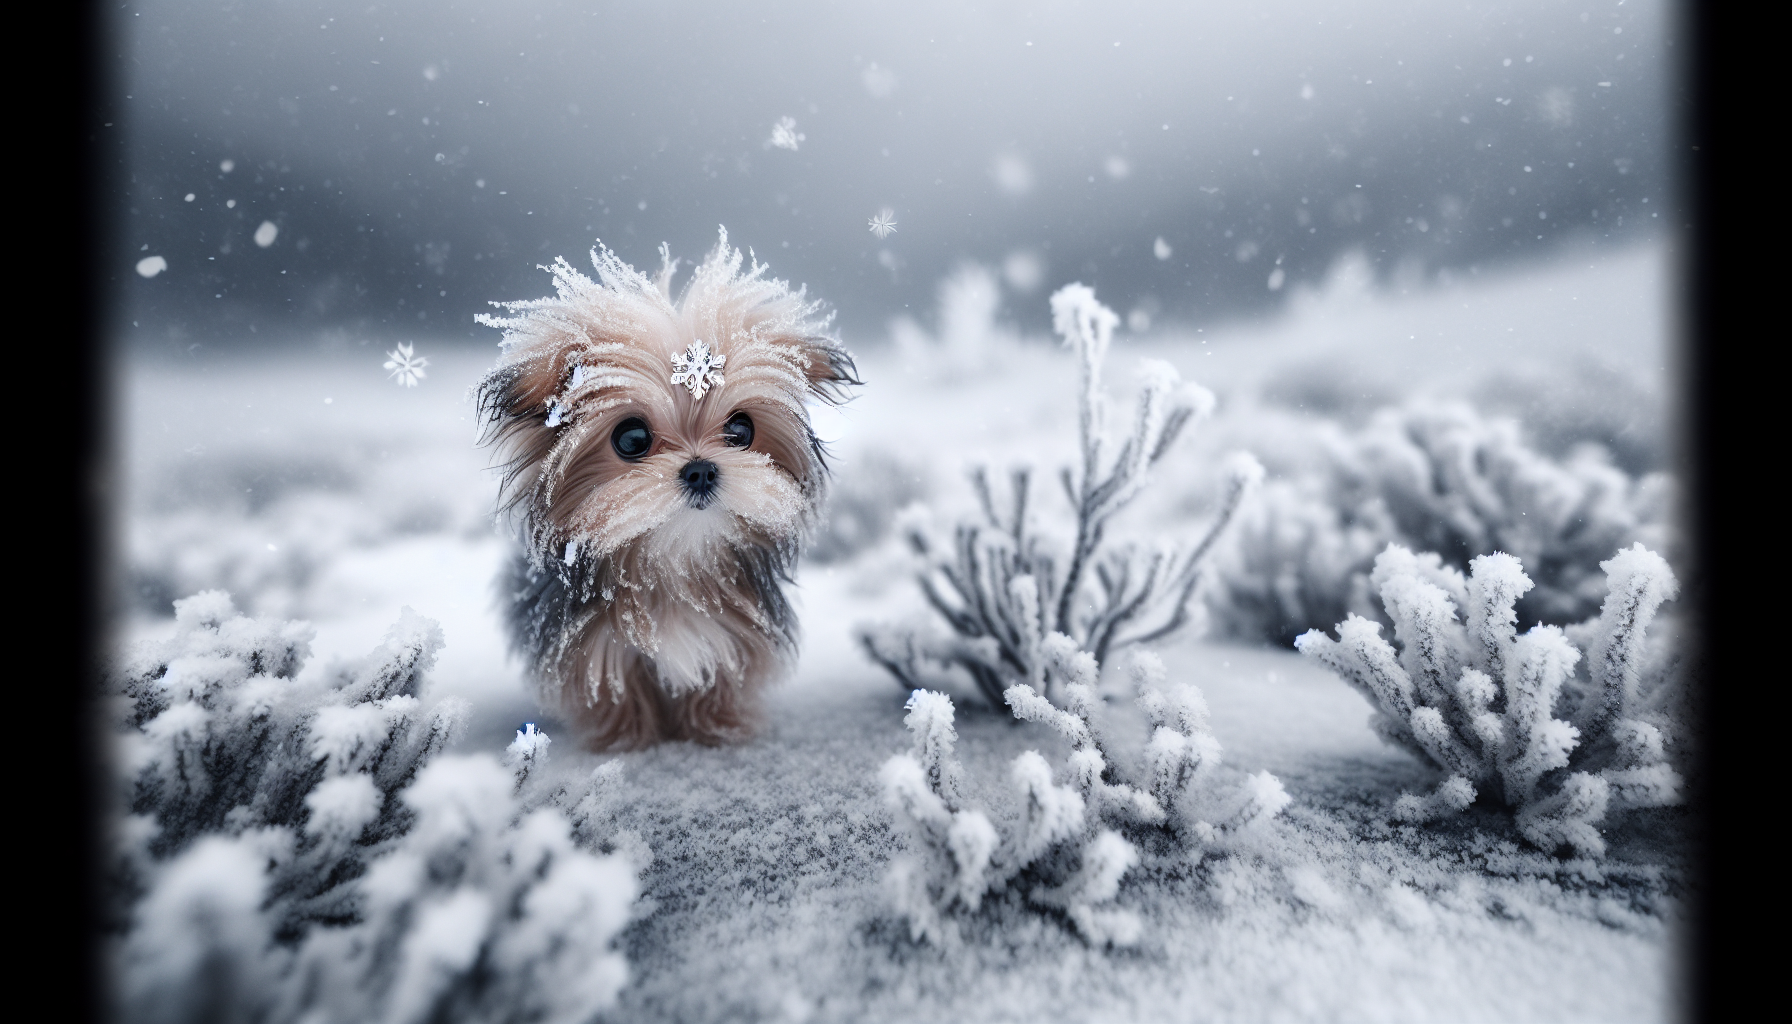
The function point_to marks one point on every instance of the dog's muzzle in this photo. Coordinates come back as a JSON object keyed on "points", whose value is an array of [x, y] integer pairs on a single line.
{"points": [[699, 479]]}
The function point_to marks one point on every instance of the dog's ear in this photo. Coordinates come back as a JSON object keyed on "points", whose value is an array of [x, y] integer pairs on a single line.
{"points": [[830, 369], [498, 397], [510, 401]]}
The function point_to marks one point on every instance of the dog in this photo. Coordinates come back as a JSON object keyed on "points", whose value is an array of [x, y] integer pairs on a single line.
{"points": [[660, 471]]}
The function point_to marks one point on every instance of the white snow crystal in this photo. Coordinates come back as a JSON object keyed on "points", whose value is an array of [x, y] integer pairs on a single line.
{"points": [[1023, 270], [1161, 249], [406, 367], [265, 235], [1013, 174], [150, 266], [884, 224], [879, 81], [785, 135]]}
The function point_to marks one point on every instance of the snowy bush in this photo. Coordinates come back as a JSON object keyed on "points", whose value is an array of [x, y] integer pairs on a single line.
{"points": [[862, 506], [1003, 588], [1067, 849], [1295, 560], [1432, 477], [1480, 701], [969, 340], [268, 525], [1030, 625], [291, 850]]}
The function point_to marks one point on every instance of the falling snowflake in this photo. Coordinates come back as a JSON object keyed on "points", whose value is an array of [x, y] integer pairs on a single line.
{"points": [[406, 366], [697, 368], [884, 224], [785, 135]]}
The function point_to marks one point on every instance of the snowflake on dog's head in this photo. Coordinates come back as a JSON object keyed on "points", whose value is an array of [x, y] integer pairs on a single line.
{"points": [[406, 366], [697, 368]]}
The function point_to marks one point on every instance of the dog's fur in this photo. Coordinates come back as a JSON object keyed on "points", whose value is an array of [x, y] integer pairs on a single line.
{"points": [[643, 616]]}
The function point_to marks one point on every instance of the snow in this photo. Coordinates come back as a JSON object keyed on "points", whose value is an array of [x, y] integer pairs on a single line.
{"points": [[406, 366], [784, 134], [883, 224], [766, 866]]}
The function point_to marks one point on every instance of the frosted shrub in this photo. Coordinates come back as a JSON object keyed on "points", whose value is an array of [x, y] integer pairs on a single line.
{"points": [[1029, 625], [301, 851], [862, 506], [206, 523], [1441, 478], [1067, 849], [1295, 560], [968, 340], [486, 910], [1002, 589], [220, 736], [1480, 701]]}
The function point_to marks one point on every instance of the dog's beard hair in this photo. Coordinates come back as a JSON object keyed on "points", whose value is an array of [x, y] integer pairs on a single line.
{"points": [[645, 612]]}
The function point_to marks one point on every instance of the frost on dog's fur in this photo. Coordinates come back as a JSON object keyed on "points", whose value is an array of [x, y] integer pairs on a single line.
{"points": [[299, 851], [646, 613], [1480, 700]]}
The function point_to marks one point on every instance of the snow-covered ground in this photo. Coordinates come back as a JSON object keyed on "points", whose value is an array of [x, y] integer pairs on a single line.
{"points": [[311, 487]]}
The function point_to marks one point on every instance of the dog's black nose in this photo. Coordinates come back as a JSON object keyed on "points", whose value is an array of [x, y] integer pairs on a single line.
{"points": [[699, 479]]}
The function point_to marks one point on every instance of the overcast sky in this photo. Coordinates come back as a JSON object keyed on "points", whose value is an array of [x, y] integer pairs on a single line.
{"points": [[418, 159]]}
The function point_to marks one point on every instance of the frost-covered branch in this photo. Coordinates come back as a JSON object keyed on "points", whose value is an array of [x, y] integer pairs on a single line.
{"points": [[1000, 589], [1029, 625], [1481, 701]]}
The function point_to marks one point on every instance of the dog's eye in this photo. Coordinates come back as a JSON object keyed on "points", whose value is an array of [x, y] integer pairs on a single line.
{"points": [[631, 438], [738, 431]]}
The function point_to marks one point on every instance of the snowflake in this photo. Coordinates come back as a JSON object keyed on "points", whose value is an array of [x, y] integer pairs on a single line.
{"points": [[406, 367], [884, 224], [785, 135], [697, 369]]}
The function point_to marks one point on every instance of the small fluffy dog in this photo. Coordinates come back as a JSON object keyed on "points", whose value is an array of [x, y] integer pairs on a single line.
{"points": [[659, 466]]}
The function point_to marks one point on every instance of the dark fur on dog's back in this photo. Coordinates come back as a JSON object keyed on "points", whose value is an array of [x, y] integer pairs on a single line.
{"points": [[645, 616]]}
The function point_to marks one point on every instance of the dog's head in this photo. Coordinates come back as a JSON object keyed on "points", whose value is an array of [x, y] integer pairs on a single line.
{"points": [[642, 430]]}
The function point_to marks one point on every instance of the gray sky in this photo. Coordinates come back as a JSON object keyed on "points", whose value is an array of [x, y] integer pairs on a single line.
{"points": [[418, 159]]}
